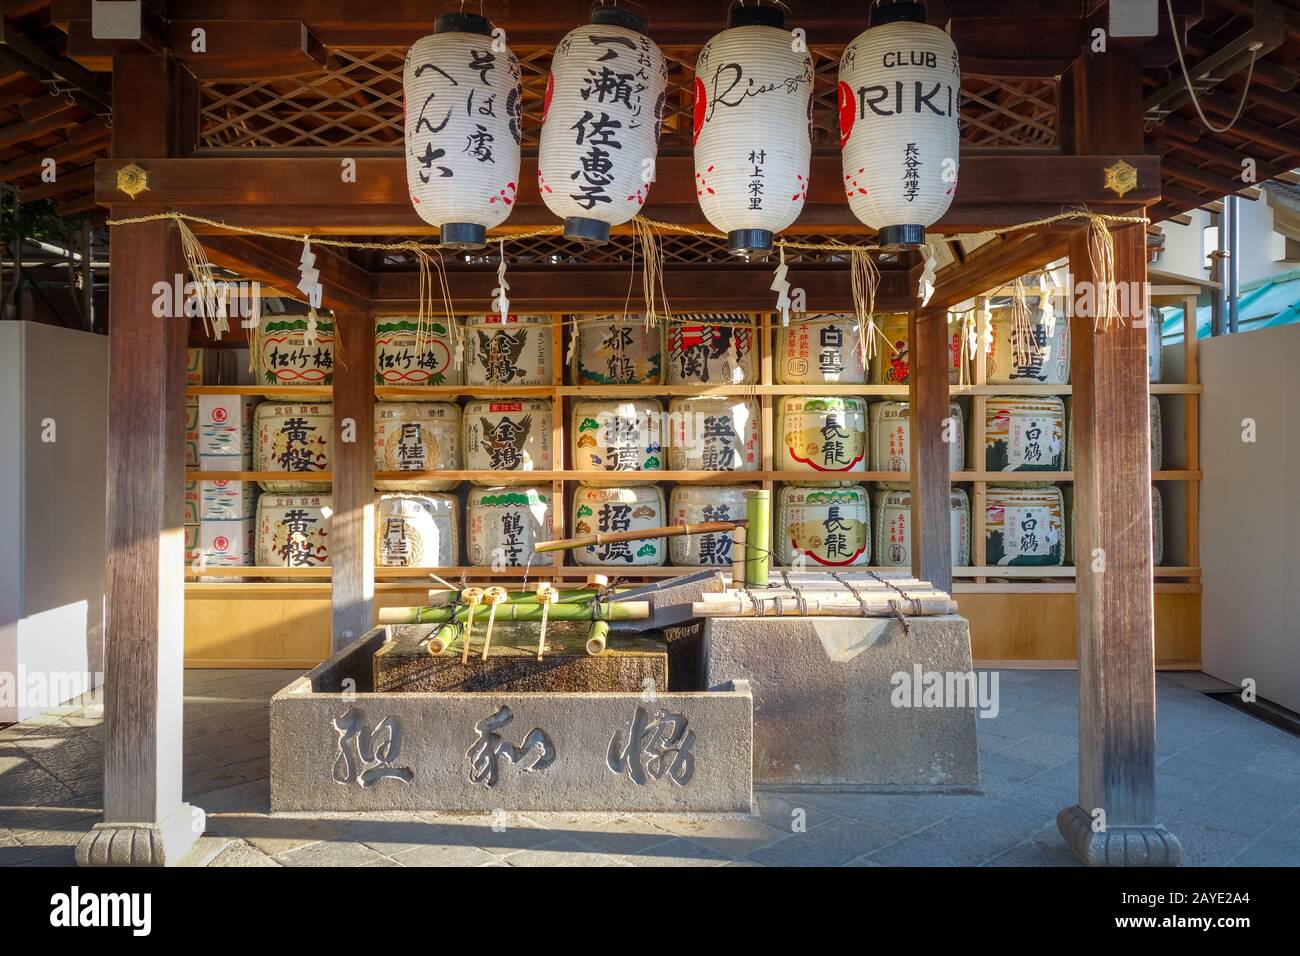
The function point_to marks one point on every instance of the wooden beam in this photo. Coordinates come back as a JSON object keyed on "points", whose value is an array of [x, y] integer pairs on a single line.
{"points": [[309, 194], [67, 154], [997, 263], [66, 182], [145, 820], [352, 525], [928, 411], [275, 263], [723, 288], [18, 50], [1114, 821]]}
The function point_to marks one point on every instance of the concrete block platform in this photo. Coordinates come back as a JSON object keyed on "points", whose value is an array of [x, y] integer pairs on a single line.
{"points": [[852, 702]]}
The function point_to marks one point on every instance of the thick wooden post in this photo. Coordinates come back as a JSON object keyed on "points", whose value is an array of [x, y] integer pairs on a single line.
{"points": [[352, 526], [1114, 822], [145, 821], [931, 481]]}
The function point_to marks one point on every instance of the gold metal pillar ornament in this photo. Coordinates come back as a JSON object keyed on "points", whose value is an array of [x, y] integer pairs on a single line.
{"points": [[1121, 177], [132, 180]]}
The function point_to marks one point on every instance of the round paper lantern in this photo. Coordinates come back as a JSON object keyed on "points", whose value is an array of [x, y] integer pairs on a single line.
{"points": [[753, 97], [464, 122], [899, 94], [600, 124]]}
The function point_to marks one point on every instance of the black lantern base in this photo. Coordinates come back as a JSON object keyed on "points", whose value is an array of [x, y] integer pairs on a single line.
{"points": [[619, 17], [898, 238], [594, 232], [462, 22], [756, 16], [462, 235], [750, 243], [897, 11]]}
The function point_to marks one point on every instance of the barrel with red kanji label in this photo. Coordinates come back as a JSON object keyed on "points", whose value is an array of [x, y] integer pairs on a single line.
{"points": [[507, 435], [711, 349], [410, 353], [295, 438], [820, 349], [293, 530], [514, 352], [823, 525], [826, 435]]}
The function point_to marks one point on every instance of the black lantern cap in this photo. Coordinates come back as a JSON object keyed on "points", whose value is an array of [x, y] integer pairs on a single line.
{"points": [[619, 17], [462, 235], [750, 243], [460, 22], [757, 16], [593, 232], [898, 238], [897, 11]]}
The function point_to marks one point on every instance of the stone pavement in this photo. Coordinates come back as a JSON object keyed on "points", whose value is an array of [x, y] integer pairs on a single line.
{"points": [[1229, 788]]}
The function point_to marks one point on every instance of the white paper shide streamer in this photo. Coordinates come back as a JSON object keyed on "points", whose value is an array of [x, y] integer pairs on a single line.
{"points": [[464, 123], [600, 124], [899, 95], [753, 96]]}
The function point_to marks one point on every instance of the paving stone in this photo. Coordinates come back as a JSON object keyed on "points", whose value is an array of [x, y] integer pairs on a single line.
{"points": [[730, 836], [678, 852], [274, 836], [624, 835], [902, 813], [329, 853], [443, 855], [514, 832], [831, 845], [241, 853], [564, 850]]}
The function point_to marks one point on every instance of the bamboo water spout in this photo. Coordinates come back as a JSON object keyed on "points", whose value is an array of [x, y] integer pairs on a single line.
{"points": [[546, 596], [472, 597], [495, 596]]}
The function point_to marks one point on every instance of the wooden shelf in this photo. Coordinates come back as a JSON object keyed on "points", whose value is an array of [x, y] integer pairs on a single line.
{"points": [[285, 392], [743, 390], [313, 477]]}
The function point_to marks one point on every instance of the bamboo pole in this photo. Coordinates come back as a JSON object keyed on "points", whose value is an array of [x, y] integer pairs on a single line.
{"points": [[495, 596], [596, 637], [444, 637], [738, 557], [546, 596], [441, 597], [606, 611], [757, 538], [814, 607], [472, 597], [611, 537]]}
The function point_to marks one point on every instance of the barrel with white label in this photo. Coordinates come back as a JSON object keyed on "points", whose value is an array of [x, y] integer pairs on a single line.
{"points": [[410, 353], [696, 504], [417, 437], [293, 350], [890, 429], [1024, 526], [417, 530], [293, 530], [619, 439], [1035, 351], [617, 350], [514, 352], [711, 349], [504, 435], [295, 438], [826, 525], [892, 522], [714, 434], [605, 510], [821, 349], [826, 435], [503, 524], [1024, 433]]}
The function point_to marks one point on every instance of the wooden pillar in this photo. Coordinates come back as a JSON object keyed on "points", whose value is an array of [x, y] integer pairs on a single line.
{"points": [[352, 525], [145, 820], [1114, 822], [928, 413]]}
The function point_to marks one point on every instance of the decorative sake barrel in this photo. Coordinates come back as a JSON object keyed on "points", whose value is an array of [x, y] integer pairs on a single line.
{"points": [[890, 430], [293, 530], [820, 350], [1024, 526], [503, 435], [598, 510], [417, 531], [622, 438], [711, 349], [1157, 527], [1033, 353], [417, 436], [829, 524], [502, 526], [407, 354], [293, 437], [892, 521], [617, 350], [714, 434], [514, 352], [1024, 433], [286, 351], [1157, 437], [891, 364], [694, 504], [826, 435]]}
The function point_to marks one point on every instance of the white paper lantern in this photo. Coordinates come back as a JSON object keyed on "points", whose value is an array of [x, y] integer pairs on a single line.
{"points": [[464, 122], [753, 101], [600, 124], [899, 95]]}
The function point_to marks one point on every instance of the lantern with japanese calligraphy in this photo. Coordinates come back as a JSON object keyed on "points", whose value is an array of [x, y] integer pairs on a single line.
{"points": [[753, 97], [899, 92], [600, 124], [464, 122]]}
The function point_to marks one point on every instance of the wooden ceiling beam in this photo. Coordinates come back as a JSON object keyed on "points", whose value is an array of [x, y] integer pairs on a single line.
{"points": [[19, 51], [274, 263], [997, 263], [994, 191]]}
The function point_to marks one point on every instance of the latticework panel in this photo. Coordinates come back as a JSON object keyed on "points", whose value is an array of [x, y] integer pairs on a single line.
{"points": [[356, 101]]}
